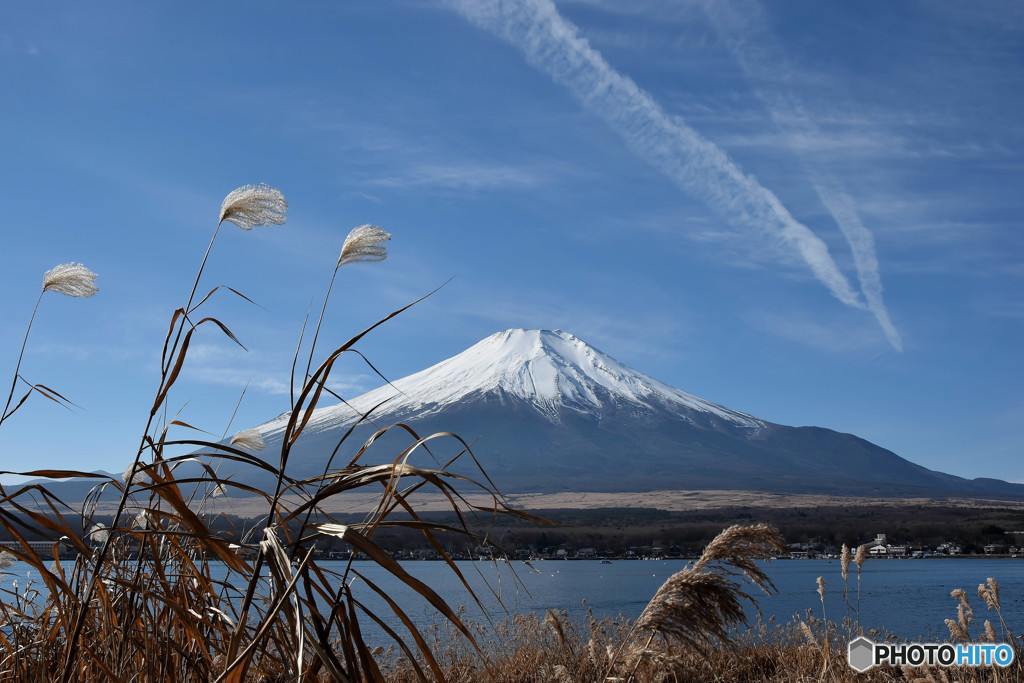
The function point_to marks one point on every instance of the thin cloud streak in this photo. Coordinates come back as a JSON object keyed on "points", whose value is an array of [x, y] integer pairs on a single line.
{"points": [[742, 27], [862, 244], [461, 177], [695, 164]]}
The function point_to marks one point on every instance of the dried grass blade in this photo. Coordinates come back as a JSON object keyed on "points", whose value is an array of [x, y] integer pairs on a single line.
{"points": [[168, 490], [57, 474], [172, 377], [369, 666], [361, 543], [407, 622], [268, 621], [328, 363]]}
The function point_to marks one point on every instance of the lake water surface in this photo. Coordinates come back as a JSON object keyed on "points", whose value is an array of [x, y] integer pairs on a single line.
{"points": [[909, 598]]}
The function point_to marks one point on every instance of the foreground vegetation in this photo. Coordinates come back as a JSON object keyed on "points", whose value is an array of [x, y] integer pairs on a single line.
{"points": [[552, 647], [140, 601]]}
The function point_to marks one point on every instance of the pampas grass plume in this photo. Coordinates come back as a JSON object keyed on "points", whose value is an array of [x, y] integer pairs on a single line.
{"points": [[990, 593], [861, 558], [134, 474], [808, 633], [956, 632], [364, 243], [70, 279], [98, 533], [698, 605], [248, 440], [144, 520], [253, 205], [844, 561]]}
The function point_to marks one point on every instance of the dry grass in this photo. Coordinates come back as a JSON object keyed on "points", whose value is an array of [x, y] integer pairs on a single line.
{"points": [[142, 601], [531, 648]]}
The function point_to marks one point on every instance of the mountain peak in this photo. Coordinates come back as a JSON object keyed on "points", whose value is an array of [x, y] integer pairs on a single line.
{"points": [[551, 370]]}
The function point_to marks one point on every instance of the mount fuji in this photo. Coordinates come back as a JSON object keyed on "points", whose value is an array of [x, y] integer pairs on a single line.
{"points": [[546, 412]]}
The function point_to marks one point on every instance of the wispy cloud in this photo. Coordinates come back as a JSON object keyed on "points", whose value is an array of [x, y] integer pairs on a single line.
{"points": [[469, 176], [744, 32], [832, 336], [692, 162], [223, 365]]}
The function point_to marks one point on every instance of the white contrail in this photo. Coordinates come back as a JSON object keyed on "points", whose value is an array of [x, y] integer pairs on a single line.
{"points": [[553, 44], [743, 28], [862, 244]]}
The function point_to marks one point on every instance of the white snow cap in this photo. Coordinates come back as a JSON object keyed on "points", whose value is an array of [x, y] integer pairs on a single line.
{"points": [[550, 369]]}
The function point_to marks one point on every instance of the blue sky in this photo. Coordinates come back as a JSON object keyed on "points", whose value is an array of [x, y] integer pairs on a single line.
{"points": [[805, 211]]}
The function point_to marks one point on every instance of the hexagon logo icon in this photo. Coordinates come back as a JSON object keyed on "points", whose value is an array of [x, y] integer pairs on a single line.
{"points": [[861, 654]]}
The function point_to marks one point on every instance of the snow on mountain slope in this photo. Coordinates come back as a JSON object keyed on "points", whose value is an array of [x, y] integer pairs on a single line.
{"points": [[550, 370]]}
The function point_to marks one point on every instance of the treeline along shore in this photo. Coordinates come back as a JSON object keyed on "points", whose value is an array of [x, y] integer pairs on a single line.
{"points": [[636, 533]]}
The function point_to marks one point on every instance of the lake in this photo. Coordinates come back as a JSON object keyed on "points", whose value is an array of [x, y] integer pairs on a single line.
{"points": [[909, 597]]}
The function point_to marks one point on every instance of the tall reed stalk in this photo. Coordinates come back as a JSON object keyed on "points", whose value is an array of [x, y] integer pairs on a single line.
{"points": [[69, 279]]}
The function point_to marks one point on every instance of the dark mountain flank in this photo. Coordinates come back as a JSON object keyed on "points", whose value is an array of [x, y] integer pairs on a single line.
{"points": [[546, 412]]}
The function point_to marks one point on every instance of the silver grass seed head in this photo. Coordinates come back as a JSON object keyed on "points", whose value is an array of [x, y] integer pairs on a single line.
{"points": [[364, 243], [134, 474], [861, 557], [70, 279], [808, 633], [253, 205], [98, 533], [248, 440], [144, 520], [993, 588]]}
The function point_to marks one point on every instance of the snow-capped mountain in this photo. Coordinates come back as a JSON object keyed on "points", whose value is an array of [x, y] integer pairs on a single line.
{"points": [[547, 412], [548, 371]]}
